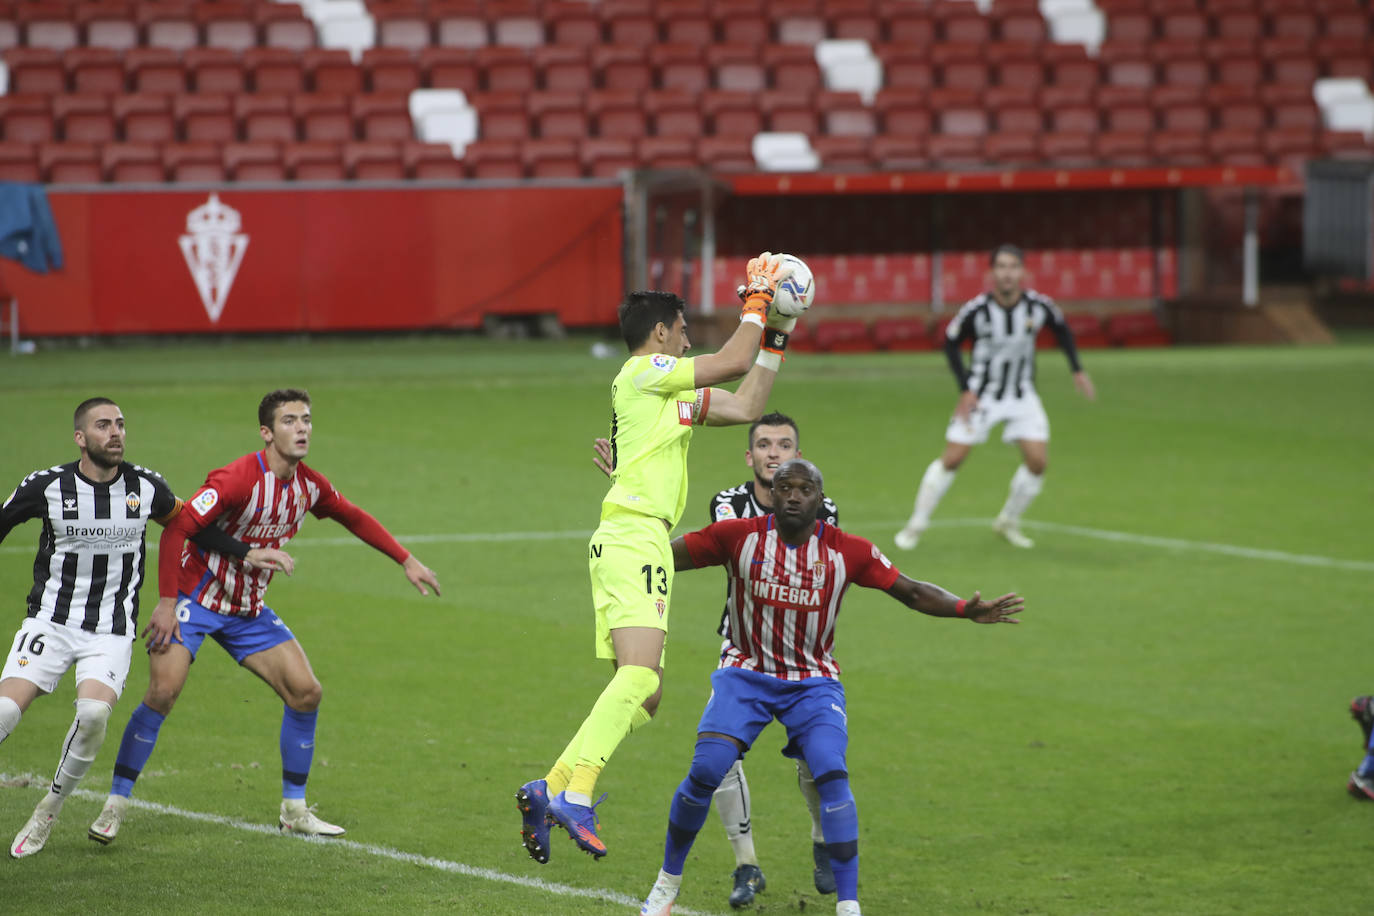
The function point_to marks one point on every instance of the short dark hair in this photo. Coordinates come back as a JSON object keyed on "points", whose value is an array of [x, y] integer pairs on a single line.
{"points": [[85, 407], [774, 419], [641, 312], [1007, 248], [267, 410]]}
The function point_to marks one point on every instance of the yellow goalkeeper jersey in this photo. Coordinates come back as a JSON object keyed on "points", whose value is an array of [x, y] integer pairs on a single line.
{"points": [[653, 407]]}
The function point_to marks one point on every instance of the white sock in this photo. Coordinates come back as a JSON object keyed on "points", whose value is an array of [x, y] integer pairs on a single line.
{"points": [[666, 880], [1025, 486], [807, 783], [732, 804], [935, 482], [847, 908], [79, 748], [10, 714]]}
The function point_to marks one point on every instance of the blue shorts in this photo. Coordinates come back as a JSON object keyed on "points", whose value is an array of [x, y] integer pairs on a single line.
{"points": [[743, 702], [239, 636]]}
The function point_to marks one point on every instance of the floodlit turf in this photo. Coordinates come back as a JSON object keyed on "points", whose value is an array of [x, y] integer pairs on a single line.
{"points": [[1165, 734]]}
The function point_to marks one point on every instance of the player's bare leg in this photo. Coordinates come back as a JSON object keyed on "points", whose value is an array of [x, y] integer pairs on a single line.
{"points": [[286, 670], [935, 482], [1026, 484]]}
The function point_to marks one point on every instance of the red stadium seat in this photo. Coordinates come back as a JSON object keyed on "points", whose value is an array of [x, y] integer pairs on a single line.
{"points": [[449, 68], [904, 112], [1018, 64], [205, 118], [1290, 60], [1087, 329], [685, 21], [506, 69], [494, 159], [1128, 149], [733, 113], [265, 117], [845, 114], [48, 25], [1068, 149], [843, 153], [166, 24], [552, 158], [907, 22], [314, 161], [374, 161], [403, 25], [607, 157], [391, 70], [208, 69], [84, 118], [902, 334], [1238, 23], [458, 24], [1070, 65], [563, 68], [515, 22], [94, 70], [501, 115], [1137, 329], [737, 67], [675, 113], [1189, 25], [1291, 105], [572, 22], [332, 71], [270, 69], [1052, 97], [853, 20], [323, 118], [1079, 118], [906, 66], [630, 23], [680, 66], [1346, 55], [254, 162], [959, 112], [69, 163], [797, 22], [193, 162], [19, 162], [622, 67], [107, 24], [1183, 148], [558, 115], [1236, 107], [617, 113], [431, 161], [789, 111], [741, 21], [226, 24], [900, 153], [1019, 118], [1004, 148], [955, 152], [154, 70], [1182, 62], [1127, 63], [668, 153], [1126, 108], [961, 65], [1019, 20], [145, 118], [35, 70], [842, 336], [1236, 147], [727, 154], [129, 163], [1235, 61], [283, 25], [1294, 23]]}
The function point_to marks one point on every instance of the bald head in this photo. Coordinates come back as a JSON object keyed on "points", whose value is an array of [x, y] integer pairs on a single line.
{"points": [[800, 469]]}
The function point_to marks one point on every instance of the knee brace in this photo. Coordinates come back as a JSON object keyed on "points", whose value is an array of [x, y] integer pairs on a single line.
{"points": [[10, 714]]}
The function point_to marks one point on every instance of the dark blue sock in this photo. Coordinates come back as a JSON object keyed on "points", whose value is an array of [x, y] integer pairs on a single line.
{"points": [[1366, 769], [692, 800], [140, 737], [840, 824], [297, 750]]}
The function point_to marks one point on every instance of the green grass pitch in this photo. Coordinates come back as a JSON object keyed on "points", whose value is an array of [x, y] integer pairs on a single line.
{"points": [[1165, 733]]}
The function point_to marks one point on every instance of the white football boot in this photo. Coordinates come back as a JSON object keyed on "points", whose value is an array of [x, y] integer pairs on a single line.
{"points": [[297, 818], [908, 537], [661, 896], [847, 908], [34, 834], [106, 826], [1011, 530]]}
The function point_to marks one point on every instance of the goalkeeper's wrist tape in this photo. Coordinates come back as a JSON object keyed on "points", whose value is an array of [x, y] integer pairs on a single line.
{"points": [[752, 318], [769, 360], [774, 340], [959, 607]]}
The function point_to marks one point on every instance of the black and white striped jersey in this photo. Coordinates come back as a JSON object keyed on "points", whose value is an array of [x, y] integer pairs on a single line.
{"points": [[1003, 363], [739, 502], [90, 550]]}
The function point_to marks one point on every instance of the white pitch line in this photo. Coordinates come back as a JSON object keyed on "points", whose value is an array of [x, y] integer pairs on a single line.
{"points": [[383, 852], [1099, 534]]}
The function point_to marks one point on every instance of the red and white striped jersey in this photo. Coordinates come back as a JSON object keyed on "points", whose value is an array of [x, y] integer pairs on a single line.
{"points": [[783, 600], [252, 504]]}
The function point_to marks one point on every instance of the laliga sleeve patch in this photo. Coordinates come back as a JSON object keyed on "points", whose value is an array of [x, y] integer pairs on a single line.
{"points": [[206, 501], [878, 555], [663, 363], [724, 511]]}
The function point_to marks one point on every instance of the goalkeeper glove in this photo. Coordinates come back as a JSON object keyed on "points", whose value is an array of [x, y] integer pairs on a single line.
{"points": [[778, 327], [763, 273]]}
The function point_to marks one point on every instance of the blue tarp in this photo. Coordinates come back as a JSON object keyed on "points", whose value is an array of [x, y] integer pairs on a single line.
{"points": [[28, 233]]}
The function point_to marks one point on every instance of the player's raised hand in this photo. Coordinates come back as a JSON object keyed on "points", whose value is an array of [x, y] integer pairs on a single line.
{"points": [[603, 457], [762, 276], [420, 575], [1000, 610], [1084, 384], [270, 558], [162, 626]]}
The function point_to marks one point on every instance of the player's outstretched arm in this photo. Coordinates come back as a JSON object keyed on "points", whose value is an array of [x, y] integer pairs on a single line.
{"points": [[420, 575], [682, 557], [929, 598]]}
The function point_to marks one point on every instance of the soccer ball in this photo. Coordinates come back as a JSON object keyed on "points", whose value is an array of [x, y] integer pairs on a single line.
{"points": [[796, 293]]}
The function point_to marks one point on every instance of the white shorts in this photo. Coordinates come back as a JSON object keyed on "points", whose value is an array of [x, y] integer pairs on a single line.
{"points": [[43, 651], [1025, 418]]}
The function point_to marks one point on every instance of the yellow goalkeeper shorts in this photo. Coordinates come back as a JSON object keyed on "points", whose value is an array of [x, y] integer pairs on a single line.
{"points": [[631, 567]]}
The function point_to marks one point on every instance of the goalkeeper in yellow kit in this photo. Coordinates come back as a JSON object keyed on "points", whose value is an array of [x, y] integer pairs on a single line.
{"points": [[656, 399]]}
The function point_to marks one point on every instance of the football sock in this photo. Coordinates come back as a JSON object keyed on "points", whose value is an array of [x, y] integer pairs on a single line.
{"points": [[10, 714], [692, 801], [732, 804], [297, 750], [79, 749], [807, 783], [840, 820], [935, 482], [641, 718], [609, 723], [558, 778], [1025, 486], [1366, 769], [140, 737]]}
